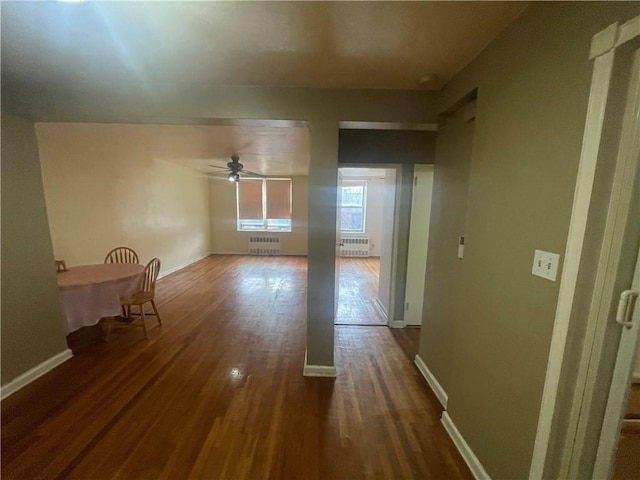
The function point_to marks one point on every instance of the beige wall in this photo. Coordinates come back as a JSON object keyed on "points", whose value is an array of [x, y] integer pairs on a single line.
{"points": [[444, 269], [224, 235], [104, 188], [32, 327], [533, 83]]}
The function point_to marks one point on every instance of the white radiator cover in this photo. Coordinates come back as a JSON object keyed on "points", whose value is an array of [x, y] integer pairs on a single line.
{"points": [[264, 245], [354, 247]]}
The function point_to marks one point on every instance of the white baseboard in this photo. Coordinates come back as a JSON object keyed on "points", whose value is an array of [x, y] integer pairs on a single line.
{"points": [[318, 370], [246, 254], [397, 324], [463, 447], [381, 308], [432, 381], [36, 372], [180, 267]]}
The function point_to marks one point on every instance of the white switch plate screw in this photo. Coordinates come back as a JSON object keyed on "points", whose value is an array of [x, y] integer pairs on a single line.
{"points": [[545, 264]]}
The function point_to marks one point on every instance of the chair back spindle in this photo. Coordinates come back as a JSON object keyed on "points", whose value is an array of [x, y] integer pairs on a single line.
{"points": [[122, 255], [149, 277]]}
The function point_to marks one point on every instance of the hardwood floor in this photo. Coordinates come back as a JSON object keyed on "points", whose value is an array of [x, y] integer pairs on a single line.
{"points": [[217, 392], [358, 292]]}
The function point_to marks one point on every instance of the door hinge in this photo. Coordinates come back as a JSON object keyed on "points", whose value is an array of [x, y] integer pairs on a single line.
{"points": [[406, 306]]}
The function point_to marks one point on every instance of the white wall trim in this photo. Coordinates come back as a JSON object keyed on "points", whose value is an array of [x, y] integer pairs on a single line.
{"points": [[463, 447], [603, 41], [394, 249], [605, 292], [432, 381], [246, 254], [318, 370], [613, 36], [383, 311], [180, 267], [36, 372], [628, 31], [396, 324]]}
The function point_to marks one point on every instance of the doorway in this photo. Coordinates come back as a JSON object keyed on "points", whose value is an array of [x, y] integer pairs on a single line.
{"points": [[366, 229]]}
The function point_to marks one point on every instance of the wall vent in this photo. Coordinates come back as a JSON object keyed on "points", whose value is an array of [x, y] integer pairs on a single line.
{"points": [[354, 247], [264, 245]]}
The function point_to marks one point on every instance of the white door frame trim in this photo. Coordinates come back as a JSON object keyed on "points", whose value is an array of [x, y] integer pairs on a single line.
{"points": [[603, 47]]}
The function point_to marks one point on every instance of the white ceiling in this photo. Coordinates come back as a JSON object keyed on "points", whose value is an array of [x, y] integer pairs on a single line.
{"points": [[175, 45]]}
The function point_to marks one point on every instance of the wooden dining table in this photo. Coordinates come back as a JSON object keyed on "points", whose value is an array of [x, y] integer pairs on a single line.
{"points": [[91, 292]]}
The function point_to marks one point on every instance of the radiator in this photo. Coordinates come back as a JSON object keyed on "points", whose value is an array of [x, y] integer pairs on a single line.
{"points": [[354, 247], [264, 245]]}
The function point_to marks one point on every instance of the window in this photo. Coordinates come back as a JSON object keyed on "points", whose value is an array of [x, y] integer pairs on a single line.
{"points": [[353, 195], [264, 205]]}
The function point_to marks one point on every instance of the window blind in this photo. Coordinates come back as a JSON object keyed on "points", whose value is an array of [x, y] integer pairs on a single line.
{"points": [[250, 199], [278, 194]]}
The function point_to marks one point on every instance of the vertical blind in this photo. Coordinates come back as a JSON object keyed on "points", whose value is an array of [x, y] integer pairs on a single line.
{"points": [[276, 195]]}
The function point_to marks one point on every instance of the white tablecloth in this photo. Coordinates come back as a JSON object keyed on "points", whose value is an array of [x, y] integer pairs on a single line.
{"points": [[91, 292]]}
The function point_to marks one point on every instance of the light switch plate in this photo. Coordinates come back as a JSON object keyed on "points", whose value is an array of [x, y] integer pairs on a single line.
{"points": [[545, 264]]}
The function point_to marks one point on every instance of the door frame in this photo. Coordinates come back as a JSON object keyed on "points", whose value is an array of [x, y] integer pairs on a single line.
{"points": [[394, 249], [603, 48], [414, 267], [336, 261]]}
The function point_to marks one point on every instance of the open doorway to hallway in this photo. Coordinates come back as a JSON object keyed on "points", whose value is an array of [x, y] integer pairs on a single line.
{"points": [[366, 222]]}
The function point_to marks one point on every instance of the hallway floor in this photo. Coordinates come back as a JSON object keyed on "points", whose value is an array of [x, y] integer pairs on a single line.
{"points": [[359, 278]]}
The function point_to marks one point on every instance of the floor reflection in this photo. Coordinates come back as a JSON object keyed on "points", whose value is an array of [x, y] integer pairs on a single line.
{"points": [[357, 303]]}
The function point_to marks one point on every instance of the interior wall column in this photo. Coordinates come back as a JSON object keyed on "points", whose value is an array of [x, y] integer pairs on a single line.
{"points": [[323, 170]]}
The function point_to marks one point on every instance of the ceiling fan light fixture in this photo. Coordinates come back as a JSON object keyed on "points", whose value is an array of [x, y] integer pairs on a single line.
{"points": [[234, 177]]}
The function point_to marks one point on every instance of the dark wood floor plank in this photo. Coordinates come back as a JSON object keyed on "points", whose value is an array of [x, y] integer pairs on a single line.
{"points": [[218, 392]]}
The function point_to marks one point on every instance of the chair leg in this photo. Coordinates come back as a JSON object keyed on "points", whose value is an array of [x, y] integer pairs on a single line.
{"points": [[124, 312], [144, 325], [153, 304]]}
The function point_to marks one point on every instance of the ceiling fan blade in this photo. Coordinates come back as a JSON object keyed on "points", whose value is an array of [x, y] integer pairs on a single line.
{"points": [[216, 166], [251, 174]]}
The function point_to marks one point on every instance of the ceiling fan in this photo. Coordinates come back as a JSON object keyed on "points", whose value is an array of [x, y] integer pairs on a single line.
{"points": [[235, 168]]}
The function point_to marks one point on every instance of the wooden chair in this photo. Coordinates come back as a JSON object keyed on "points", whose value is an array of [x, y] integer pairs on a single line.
{"points": [[122, 255], [144, 295], [61, 266]]}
